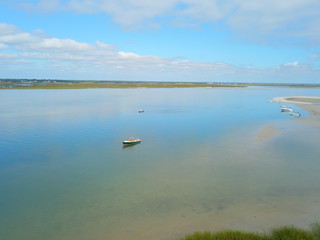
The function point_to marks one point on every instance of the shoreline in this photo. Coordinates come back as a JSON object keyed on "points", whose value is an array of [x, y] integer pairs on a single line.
{"points": [[92, 84], [70, 84], [297, 100]]}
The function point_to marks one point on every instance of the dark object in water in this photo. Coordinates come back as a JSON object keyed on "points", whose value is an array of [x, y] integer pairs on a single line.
{"points": [[131, 141]]}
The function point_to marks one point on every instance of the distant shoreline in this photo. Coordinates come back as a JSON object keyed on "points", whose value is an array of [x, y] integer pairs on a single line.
{"points": [[76, 84], [92, 85]]}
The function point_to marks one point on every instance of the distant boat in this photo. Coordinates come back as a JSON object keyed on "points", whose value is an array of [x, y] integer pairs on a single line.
{"points": [[295, 114], [131, 141], [141, 111], [286, 109]]}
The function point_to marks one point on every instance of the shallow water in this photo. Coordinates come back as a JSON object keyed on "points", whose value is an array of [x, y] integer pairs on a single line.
{"points": [[65, 175]]}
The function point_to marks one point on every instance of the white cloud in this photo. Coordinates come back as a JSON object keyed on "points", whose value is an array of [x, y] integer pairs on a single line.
{"points": [[253, 20], [36, 55], [3, 46], [277, 19], [128, 55], [38, 41], [314, 56], [61, 44], [292, 64], [44, 6], [126, 12], [105, 46], [7, 29], [17, 38], [7, 55]]}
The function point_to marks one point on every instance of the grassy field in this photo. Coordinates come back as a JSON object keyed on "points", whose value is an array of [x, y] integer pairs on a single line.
{"points": [[283, 233]]}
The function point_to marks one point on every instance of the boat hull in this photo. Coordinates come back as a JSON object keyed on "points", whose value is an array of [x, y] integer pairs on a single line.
{"points": [[131, 142], [286, 110]]}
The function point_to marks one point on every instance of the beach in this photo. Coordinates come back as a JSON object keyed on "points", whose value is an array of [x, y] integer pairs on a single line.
{"points": [[297, 100]]}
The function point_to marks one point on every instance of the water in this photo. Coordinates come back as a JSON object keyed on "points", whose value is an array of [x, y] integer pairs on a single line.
{"points": [[65, 175]]}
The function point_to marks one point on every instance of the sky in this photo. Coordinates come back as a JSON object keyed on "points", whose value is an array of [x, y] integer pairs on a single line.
{"points": [[169, 40]]}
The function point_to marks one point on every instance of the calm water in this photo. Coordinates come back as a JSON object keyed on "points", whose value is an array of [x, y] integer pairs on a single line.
{"points": [[64, 174]]}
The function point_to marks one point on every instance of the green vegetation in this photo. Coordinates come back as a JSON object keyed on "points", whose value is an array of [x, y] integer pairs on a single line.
{"points": [[292, 233], [283, 233], [225, 235], [75, 84], [315, 228], [69, 84]]}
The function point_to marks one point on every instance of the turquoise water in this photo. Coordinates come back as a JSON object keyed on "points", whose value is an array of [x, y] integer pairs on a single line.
{"points": [[64, 173]]}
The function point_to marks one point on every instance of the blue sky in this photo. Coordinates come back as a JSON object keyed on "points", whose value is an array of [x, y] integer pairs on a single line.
{"points": [[170, 40]]}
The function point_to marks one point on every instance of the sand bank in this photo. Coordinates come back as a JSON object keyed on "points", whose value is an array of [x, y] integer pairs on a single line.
{"points": [[309, 104], [297, 100]]}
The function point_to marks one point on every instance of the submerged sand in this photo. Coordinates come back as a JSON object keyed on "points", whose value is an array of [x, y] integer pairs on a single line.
{"points": [[266, 133]]}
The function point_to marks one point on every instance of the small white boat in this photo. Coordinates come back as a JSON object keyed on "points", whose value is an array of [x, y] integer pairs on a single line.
{"points": [[131, 141], [295, 114], [141, 111], [286, 109]]}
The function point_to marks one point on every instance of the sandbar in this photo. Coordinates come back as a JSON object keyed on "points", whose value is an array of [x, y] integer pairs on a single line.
{"points": [[309, 104], [297, 100]]}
